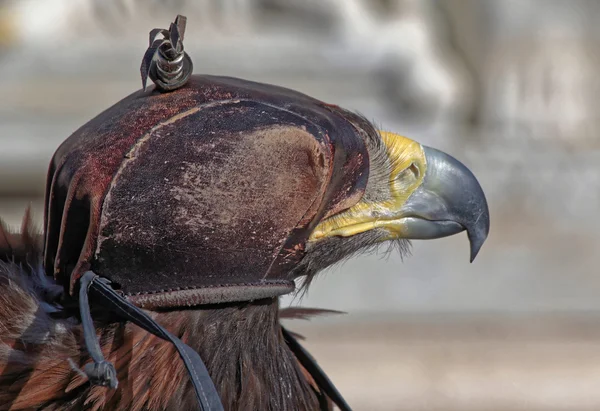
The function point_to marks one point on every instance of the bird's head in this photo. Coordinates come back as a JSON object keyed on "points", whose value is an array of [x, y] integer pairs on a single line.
{"points": [[229, 190], [413, 192], [218, 193]]}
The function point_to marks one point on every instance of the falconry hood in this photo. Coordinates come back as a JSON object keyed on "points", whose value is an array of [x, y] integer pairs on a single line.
{"points": [[204, 194]]}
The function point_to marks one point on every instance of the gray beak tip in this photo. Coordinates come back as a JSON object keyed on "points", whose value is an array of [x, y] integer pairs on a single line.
{"points": [[478, 234], [455, 195], [474, 252]]}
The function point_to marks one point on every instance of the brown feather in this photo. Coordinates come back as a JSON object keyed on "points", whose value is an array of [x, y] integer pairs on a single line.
{"points": [[305, 313], [20, 247]]}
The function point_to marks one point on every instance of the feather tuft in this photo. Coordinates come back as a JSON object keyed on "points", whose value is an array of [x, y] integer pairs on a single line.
{"points": [[305, 313]]}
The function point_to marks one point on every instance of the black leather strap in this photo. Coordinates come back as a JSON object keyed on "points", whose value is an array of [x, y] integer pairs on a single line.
{"points": [[310, 364], [206, 393], [99, 371]]}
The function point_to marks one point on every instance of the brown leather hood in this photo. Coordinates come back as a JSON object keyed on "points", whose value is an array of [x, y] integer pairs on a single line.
{"points": [[205, 194]]}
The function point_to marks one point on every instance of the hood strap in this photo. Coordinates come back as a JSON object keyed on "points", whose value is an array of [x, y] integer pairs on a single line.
{"points": [[99, 371], [102, 372], [310, 364]]}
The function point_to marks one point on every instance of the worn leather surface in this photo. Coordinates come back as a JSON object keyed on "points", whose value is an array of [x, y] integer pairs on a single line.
{"points": [[216, 184]]}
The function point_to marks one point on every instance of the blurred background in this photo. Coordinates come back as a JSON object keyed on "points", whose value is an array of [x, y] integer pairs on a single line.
{"points": [[507, 86]]}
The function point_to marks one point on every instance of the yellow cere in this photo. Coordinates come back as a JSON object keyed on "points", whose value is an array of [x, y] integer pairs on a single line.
{"points": [[407, 171]]}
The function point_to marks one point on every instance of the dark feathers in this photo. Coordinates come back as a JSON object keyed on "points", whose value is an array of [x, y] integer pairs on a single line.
{"points": [[20, 247], [333, 250], [303, 313]]}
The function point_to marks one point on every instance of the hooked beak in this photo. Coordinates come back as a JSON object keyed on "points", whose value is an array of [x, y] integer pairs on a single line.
{"points": [[449, 200], [432, 195]]}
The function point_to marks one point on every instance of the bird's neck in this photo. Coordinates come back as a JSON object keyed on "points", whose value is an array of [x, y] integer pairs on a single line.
{"points": [[247, 358]]}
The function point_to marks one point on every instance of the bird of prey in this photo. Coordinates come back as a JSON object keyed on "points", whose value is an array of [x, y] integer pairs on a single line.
{"points": [[177, 218]]}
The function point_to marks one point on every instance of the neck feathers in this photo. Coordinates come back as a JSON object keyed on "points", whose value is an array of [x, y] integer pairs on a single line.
{"points": [[242, 346]]}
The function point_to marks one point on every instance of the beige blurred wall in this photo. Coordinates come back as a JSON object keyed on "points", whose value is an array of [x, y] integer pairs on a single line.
{"points": [[483, 80]]}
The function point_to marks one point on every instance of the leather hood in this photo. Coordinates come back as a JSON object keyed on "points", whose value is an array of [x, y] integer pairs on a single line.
{"points": [[201, 195]]}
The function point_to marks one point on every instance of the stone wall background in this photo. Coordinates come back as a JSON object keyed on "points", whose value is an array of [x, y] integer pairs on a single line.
{"points": [[509, 87]]}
